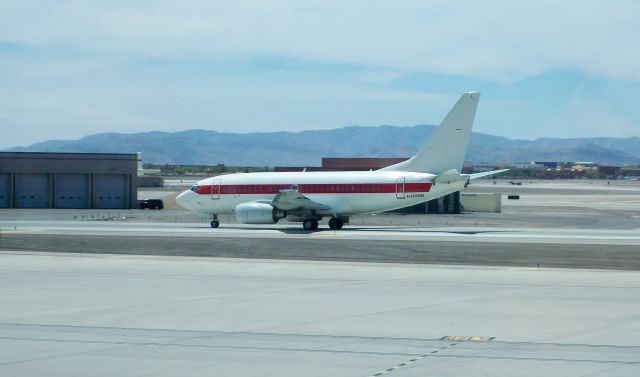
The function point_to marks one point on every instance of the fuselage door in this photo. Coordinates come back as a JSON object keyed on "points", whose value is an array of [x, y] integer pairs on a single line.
{"points": [[400, 188], [215, 189]]}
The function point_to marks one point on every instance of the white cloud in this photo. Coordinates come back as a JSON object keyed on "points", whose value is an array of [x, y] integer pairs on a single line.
{"points": [[498, 40], [83, 95], [71, 68]]}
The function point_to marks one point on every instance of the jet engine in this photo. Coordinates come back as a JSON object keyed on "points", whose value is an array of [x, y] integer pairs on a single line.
{"points": [[258, 213]]}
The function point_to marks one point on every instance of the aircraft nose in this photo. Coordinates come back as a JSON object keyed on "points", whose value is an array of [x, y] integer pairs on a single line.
{"points": [[183, 200]]}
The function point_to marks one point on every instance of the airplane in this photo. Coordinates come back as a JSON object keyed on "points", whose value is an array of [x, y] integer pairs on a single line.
{"points": [[307, 197]]}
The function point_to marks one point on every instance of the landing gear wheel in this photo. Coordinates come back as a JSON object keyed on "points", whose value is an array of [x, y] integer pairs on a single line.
{"points": [[336, 223], [310, 224], [215, 223]]}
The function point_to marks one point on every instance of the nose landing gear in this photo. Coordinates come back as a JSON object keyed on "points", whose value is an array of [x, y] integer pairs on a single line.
{"points": [[214, 221]]}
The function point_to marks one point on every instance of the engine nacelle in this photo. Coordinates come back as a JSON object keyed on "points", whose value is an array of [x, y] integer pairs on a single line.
{"points": [[258, 213]]}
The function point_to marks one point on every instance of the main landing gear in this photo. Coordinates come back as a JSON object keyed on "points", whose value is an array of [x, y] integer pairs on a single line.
{"points": [[214, 221], [310, 224], [336, 223]]}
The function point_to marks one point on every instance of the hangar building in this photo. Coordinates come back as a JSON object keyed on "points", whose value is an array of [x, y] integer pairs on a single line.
{"points": [[68, 180]]}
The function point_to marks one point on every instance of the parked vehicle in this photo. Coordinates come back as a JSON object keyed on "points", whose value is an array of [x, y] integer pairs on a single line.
{"points": [[150, 203]]}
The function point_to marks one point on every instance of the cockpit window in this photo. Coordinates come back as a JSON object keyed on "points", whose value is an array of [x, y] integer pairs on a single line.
{"points": [[195, 188]]}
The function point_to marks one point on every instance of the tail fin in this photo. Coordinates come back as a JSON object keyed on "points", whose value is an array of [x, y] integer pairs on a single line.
{"points": [[446, 147]]}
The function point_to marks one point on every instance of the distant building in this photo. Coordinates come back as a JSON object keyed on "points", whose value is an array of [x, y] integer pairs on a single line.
{"points": [[362, 164], [630, 172], [296, 168], [373, 163], [582, 168], [609, 170], [144, 172], [585, 163], [529, 165], [346, 164], [548, 164]]}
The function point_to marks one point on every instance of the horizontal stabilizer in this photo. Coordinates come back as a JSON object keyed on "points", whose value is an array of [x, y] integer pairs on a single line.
{"points": [[450, 176], [485, 173]]}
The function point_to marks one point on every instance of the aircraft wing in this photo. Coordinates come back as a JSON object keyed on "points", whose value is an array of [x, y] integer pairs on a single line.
{"points": [[485, 173], [288, 200]]}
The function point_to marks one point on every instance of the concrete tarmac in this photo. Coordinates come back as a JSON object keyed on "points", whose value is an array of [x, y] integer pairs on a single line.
{"points": [[527, 247], [148, 293], [104, 315]]}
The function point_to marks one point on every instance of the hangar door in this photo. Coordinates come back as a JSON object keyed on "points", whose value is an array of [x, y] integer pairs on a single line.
{"points": [[110, 190], [5, 190], [71, 191], [32, 191]]}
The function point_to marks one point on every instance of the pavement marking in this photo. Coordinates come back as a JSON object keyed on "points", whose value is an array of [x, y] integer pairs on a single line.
{"points": [[19, 231], [415, 359], [321, 235], [465, 338]]}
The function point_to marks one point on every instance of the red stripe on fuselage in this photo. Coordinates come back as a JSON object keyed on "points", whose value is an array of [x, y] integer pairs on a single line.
{"points": [[324, 188]]}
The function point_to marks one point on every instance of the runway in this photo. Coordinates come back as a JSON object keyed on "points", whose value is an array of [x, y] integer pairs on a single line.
{"points": [[104, 315], [349, 232], [525, 247]]}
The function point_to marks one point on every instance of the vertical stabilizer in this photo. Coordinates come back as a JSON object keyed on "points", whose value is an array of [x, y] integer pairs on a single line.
{"points": [[446, 148]]}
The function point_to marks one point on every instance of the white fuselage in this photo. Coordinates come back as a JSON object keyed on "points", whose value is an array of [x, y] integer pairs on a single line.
{"points": [[344, 193]]}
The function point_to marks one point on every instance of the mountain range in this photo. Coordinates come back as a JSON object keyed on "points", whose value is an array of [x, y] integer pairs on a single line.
{"points": [[306, 148]]}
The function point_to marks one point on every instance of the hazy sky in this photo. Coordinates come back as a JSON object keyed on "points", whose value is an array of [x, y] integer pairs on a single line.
{"points": [[545, 68]]}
